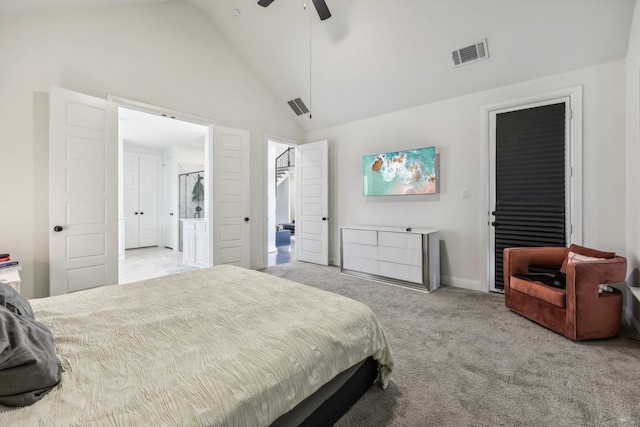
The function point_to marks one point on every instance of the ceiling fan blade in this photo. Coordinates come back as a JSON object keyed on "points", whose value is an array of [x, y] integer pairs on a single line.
{"points": [[265, 3], [321, 7]]}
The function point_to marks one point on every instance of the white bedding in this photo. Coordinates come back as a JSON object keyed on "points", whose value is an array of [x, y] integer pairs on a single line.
{"points": [[223, 346]]}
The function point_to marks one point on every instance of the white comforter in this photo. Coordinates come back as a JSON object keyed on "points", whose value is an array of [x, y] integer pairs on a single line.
{"points": [[223, 346]]}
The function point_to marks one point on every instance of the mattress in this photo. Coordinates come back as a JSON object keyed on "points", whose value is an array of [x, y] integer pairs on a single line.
{"points": [[224, 346]]}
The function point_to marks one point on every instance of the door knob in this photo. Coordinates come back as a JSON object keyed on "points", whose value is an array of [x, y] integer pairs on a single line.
{"points": [[170, 213], [58, 228], [494, 223], [324, 218], [136, 213], [141, 213], [246, 219], [493, 213]]}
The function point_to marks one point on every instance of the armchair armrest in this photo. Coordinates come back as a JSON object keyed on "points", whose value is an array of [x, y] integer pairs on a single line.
{"points": [[587, 309], [518, 260], [586, 276]]}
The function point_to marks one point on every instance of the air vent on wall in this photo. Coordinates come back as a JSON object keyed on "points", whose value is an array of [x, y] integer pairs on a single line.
{"points": [[298, 106], [472, 53]]}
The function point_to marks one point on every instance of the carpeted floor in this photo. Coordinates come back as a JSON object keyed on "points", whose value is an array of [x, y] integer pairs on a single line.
{"points": [[463, 359]]}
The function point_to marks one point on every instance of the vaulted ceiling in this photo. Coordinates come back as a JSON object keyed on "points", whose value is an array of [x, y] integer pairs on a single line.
{"points": [[377, 56]]}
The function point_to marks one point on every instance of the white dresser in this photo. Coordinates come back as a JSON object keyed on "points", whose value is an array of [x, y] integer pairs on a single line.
{"points": [[395, 255]]}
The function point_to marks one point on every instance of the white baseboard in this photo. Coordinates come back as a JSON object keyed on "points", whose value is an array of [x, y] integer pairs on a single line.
{"points": [[462, 283]]}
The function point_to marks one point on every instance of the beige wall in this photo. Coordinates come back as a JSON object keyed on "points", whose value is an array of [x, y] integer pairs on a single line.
{"points": [[168, 55], [457, 128]]}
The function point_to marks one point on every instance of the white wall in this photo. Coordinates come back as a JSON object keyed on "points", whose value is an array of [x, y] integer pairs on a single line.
{"points": [[192, 156], [166, 54], [132, 147], [456, 127], [633, 164]]}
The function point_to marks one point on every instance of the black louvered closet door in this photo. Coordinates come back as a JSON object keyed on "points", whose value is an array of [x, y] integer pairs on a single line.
{"points": [[530, 180]]}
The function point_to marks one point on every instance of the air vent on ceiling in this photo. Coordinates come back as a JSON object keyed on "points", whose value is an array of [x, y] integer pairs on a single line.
{"points": [[472, 53], [298, 106]]}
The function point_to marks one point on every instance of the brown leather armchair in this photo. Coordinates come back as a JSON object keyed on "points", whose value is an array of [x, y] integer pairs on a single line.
{"points": [[579, 312]]}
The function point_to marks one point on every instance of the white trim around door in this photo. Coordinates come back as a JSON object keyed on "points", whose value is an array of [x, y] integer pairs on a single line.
{"points": [[208, 149], [573, 97]]}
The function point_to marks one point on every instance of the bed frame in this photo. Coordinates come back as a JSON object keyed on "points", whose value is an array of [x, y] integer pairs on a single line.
{"points": [[334, 399]]}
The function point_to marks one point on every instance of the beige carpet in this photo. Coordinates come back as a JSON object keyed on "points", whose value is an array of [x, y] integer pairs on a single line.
{"points": [[463, 359]]}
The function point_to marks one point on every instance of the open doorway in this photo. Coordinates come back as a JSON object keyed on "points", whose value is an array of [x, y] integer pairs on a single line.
{"points": [[162, 166], [281, 191]]}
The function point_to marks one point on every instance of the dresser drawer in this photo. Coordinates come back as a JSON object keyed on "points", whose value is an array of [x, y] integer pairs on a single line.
{"points": [[362, 251], [356, 263], [363, 237], [410, 273], [400, 240], [400, 255]]}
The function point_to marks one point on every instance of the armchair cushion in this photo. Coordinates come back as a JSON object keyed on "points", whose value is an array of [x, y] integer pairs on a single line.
{"points": [[577, 253], [553, 296]]}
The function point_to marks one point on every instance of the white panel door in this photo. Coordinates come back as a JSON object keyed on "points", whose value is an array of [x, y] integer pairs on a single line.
{"points": [[312, 222], [170, 202], [149, 200], [83, 207], [141, 175], [131, 186], [231, 198]]}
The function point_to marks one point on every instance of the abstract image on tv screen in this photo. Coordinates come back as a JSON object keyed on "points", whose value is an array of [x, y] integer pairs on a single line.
{"points": [[400, 172]]}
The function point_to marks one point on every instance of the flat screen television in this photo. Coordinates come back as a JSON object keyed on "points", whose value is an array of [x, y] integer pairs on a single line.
{"points": [[400, 172]]}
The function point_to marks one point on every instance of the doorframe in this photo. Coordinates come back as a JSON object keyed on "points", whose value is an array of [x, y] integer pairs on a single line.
{"points": [[208, 148], [267, 183], [574, 95]]}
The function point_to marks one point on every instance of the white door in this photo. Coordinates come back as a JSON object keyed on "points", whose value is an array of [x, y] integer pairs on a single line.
{"points": [[149, 200], [312, 210], [131, 185], [83, 207], [231, 202], [170, 202], [141, 175]]}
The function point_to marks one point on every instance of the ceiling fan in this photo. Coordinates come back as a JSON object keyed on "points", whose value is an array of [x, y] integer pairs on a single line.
{"points": [[321, 7]]}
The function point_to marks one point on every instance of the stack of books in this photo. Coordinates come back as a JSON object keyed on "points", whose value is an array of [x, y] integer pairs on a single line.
{"points": [[6, 264]]}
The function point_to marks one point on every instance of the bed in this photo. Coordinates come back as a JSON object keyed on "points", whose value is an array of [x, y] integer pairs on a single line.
{"points": [[223, 346]]}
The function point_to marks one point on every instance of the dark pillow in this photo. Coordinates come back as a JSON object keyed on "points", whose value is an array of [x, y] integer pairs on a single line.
{"points": [[587, 252], [557, 280], [29, 368]]}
